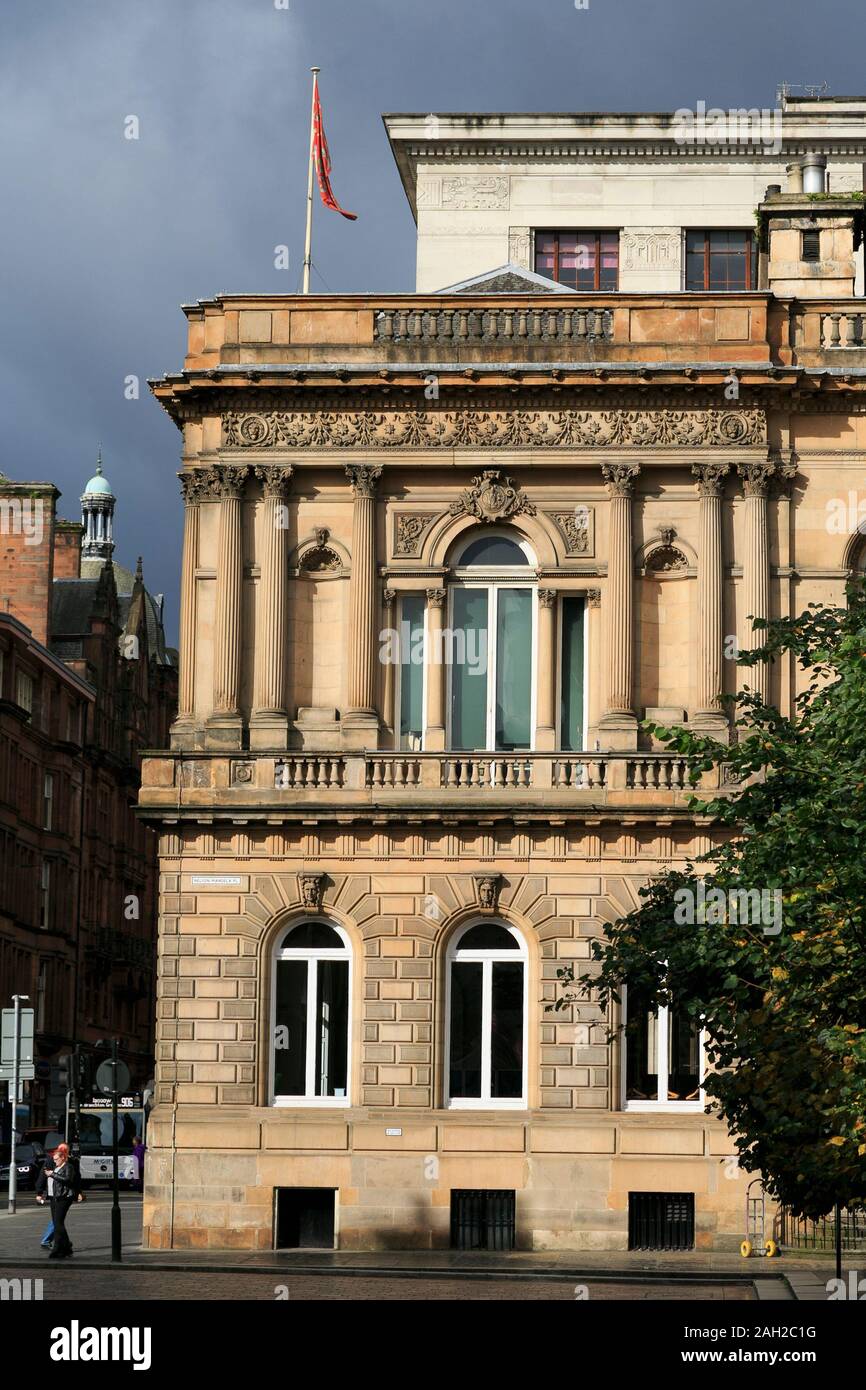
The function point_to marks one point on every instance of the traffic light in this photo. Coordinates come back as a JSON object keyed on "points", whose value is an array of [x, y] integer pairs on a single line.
{"points": [[82, 1073], [65, 1068]]}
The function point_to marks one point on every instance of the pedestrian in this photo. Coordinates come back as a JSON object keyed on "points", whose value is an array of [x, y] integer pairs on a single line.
{"points": [[138, 1155], [60, 1177]]}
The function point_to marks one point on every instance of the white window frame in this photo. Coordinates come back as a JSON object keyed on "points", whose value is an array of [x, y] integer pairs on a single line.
{"points": [[672, 1106], [312, 955], [585, 639], [492, 578], [487, 958]]}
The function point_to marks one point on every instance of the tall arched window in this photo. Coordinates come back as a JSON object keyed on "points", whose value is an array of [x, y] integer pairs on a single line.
{"points": [[487, 1010], [310, 1012], [492, 625]]}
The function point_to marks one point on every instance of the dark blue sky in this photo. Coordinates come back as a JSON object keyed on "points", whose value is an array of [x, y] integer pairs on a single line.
{"points": [[103, 238]]}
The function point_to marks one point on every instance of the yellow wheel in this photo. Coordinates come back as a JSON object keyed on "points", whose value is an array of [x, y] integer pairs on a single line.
{"points": [[746, 1249], [771, 1249]]}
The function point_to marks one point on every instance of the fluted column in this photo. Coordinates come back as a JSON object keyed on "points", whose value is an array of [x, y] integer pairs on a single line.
{"points": [[545, 732], [434, 732], [756, 568], [360, 718], [709, 710], [618, 720], [389, 680], [226, 718], [269, 723], [192, 491]]}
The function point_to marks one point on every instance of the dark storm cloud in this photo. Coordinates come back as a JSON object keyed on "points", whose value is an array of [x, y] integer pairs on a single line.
{"points": [[103, 238]]}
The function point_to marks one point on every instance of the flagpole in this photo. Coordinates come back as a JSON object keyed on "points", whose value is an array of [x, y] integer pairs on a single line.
{"points": [[308, 246]]}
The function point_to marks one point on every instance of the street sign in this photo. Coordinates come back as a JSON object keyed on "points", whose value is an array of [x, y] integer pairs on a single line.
{"points": [[25, 1044], [26, 1072], [112, 1077]]}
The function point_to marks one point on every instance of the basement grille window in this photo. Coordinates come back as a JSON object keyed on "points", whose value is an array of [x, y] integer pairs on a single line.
{"points": [[661, 1220], [811, 246], [482, 1220]]}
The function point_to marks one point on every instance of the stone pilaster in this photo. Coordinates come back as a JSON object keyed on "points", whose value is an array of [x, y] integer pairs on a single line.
{"points": [[225, 724], [756, 568], [709, 715], [269, 723], [361, 719], [193, 489], [434, 732], [618, 724], [545, 732]]}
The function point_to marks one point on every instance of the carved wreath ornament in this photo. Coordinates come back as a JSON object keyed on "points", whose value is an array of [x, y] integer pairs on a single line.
{"points": [[492, 429], [492, 498]]}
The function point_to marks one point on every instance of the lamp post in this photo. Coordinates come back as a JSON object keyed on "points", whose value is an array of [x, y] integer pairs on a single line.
{"points": [[16, 1067], [113, 1077]]}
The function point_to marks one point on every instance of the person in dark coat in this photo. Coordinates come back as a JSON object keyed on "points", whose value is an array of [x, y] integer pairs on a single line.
{"points": [[60, 1178]]}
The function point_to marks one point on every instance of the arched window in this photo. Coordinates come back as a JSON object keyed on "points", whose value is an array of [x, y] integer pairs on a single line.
{"points": [[664, 1061], [492, 626], [311, 995], [487, 1007]]}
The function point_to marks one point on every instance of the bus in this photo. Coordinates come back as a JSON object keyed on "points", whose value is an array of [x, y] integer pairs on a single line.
{"points": [[95, 1137]]}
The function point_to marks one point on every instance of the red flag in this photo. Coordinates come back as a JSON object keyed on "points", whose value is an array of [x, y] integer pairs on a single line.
{"points": [[322, 158]]}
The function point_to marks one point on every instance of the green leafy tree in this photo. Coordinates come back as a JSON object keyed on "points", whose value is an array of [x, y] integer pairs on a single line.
{"points": [[780, 988]]}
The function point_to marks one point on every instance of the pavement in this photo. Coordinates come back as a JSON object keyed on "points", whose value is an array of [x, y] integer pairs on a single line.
{"points": [[685, 1275]]}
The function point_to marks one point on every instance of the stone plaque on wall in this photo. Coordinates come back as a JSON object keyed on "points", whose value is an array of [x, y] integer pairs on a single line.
{"points": [[466, 191]]}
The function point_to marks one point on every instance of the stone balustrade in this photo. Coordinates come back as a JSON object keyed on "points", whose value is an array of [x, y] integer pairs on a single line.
{"points": [[443, 779], [481, 324]]}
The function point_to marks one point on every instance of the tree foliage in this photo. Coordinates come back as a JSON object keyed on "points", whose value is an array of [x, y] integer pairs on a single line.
{"points": [[783, 1002]]}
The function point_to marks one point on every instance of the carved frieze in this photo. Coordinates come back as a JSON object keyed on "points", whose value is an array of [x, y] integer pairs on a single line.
{"points": [[473, 191], [492, 498], [495, 429], [650, 249]]}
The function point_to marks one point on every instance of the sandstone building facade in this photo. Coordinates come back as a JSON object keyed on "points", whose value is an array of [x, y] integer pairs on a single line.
{"points": [[444, 552]]}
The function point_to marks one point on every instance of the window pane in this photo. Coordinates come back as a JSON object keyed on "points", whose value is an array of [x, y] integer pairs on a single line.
{"points": [[411, 671], [513, 668], [493, 550], [465, 1041], [683, 1057], [487, 936], [642, 1082], [572, 674], [290, 1032], [469, 676], [313, 936], [332, 1022], [506, 1043]]}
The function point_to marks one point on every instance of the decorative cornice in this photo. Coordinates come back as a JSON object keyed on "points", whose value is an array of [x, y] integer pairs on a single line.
{"points": [[492, 498], [506, 428]]}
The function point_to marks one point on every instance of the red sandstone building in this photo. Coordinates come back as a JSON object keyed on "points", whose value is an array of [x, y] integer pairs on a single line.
{"points": [[86, 683]]}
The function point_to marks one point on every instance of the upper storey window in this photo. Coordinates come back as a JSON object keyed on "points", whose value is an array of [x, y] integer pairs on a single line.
{"points": [[720, 260], [582, 260]]}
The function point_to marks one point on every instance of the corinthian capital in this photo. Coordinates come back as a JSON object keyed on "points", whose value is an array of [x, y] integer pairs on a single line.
{"points": [[619, 478], [363, 478], [274, 478], [756, 478], [711, 478], [230, 479]]}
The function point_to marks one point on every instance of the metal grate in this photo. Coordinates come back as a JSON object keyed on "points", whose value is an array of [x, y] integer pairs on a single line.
{"points": [[801, 1233], [661, 1220], [482, 1220]]}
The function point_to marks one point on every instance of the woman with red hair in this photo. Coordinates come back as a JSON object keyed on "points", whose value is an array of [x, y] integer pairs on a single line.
{"points": [[61, 1179]]}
